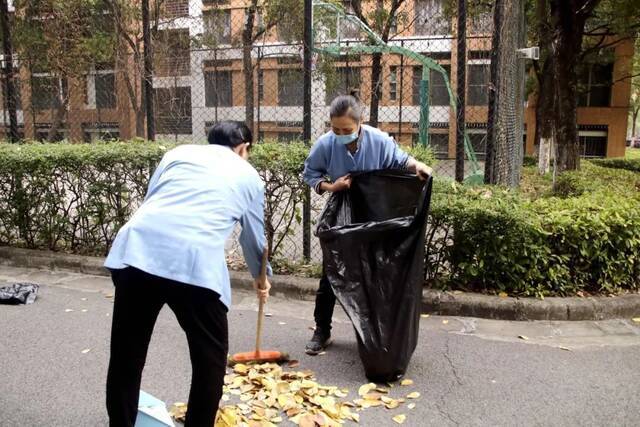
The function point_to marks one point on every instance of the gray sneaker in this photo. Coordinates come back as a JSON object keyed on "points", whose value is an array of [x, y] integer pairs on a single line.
{"points": [[321, 339]]}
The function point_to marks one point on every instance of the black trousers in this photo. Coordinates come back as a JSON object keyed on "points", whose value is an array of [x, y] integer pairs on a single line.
{"points": [[139, 297], [325, 303]]}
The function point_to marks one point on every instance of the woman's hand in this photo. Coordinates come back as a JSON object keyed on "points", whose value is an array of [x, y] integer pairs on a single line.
{"points": [[423, 171], [341, 184], [262, 288]]}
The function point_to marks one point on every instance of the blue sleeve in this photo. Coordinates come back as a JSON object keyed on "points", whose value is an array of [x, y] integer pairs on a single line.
{"points": [[394, 157], [252, 238], [315, 167]]}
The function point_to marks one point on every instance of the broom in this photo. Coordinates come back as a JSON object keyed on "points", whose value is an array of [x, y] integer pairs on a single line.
{"points": [[260, 356]]}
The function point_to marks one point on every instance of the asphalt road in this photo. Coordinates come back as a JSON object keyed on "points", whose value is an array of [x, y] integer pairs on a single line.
{"points": [[468, 371]]}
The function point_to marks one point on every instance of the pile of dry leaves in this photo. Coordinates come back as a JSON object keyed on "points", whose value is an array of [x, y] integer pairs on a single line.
{"points": [[268, 394]]}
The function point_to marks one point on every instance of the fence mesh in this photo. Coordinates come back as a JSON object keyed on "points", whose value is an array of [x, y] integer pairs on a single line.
{"points": [[241, 60], [506, 114]]}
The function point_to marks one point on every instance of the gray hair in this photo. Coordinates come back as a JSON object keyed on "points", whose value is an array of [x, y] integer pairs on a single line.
{"points": [[346, 105]]}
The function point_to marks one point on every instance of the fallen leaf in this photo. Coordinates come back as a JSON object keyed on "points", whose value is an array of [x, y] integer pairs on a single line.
{"points": [[523, 337], [86, 350], [293, 364], [322, 353], [68, 310], [366, 389], [413, 395], [84, 310], [503, 295], [340, 393], [108, 296], [406, 382], [281, 323], [83, 299], [268, 315], [400, 418], [444, 322], [564, 348], [636, 319], [411, 405], [424, 316]]}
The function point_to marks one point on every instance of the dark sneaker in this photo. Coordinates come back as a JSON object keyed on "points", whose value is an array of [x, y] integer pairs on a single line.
{"points": [[320, 340]]}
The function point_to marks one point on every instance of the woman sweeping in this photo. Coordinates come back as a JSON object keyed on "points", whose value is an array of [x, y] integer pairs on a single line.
{"points": [[172, 252], [350, 146]]}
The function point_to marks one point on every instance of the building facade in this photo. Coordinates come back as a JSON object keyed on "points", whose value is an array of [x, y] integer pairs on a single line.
{"points": [[199, 80]]}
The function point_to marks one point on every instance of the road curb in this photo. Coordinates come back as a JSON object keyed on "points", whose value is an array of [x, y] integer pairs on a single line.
{"points": [[433, 301]]}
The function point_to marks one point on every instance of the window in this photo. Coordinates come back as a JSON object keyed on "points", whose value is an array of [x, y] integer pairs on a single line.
{"points": [[16, 92], [172, 53], [478, 140], [43, 130], [348, 29], [438, 94], [100, 89], [593, 143], [393, 83], [261, 85], [482, 23], [346, 81], [430, 18], [173, 110], [48, 92], [217, 24], [290, 87], [594, 85], [100, 132], [176, 8], [478, 82], [439, 142], [289, 136], [393, 29], [218, 89]]}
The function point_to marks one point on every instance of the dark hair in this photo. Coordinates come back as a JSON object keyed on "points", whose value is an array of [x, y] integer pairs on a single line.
{"points": [[230, 134], [346, 105]]}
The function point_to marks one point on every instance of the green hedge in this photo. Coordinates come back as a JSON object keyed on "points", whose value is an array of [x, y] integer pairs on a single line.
{"points": [[631, 164], [582, 237], [493, 240], [74, 197]]}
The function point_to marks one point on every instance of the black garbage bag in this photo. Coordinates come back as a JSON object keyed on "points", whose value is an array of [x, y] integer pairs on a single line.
{"points": [[372, 239], [18, 293]]}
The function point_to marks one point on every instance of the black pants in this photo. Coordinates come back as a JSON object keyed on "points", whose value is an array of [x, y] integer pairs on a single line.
{"points": [[325, 303], [138, 299]]}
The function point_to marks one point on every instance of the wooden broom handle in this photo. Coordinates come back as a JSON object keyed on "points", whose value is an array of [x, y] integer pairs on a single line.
{"points": [[262, 279]]}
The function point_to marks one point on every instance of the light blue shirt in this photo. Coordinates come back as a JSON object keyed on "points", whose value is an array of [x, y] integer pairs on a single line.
{"points": [[195, 198], [376, 150]]}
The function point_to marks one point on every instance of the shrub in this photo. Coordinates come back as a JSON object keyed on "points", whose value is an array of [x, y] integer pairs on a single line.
{"points": [[529, 161], [630, 164], [491, 239]]}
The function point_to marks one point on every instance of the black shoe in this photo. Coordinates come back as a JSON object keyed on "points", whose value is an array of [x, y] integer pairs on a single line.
{"points": [[321, 339]]}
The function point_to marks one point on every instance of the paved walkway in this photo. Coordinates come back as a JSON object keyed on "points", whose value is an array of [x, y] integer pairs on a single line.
{"points": [[469, 371]]}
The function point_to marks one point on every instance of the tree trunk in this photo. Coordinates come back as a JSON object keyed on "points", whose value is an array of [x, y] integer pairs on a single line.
{"points": [[634, 123], [567, 45], [376, 88], [247, 62], [545, 119]]}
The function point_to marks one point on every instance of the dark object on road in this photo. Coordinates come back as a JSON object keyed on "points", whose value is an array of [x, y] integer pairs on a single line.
{"points": [[19, 293], [372, 239]]}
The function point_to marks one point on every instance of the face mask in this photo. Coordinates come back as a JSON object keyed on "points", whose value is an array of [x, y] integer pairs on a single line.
{"points": [[347, 139]]}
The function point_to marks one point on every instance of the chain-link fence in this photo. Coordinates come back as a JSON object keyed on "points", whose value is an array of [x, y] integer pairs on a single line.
{"points": [[241, 60]]}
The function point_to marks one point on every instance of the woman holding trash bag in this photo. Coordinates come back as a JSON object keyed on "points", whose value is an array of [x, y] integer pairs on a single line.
{"points": [[350, 146], [172, 252]]}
